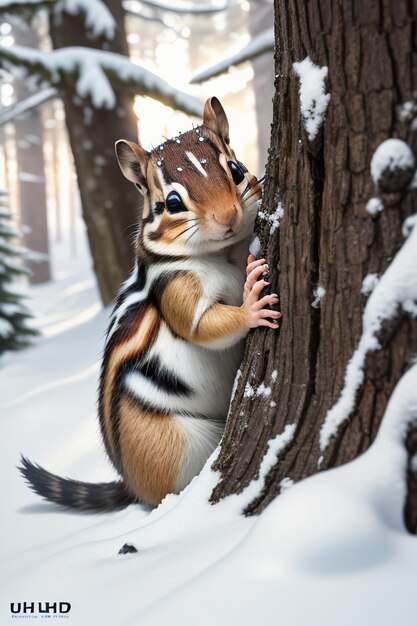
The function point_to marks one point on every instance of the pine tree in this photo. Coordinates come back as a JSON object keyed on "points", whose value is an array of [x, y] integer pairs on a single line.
{"points": [[15, 329]]}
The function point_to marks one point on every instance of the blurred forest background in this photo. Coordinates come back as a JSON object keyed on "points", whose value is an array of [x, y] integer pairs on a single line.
{"points": [[76, 75]]}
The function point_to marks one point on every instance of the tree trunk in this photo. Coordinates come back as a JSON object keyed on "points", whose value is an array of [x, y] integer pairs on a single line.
{"points": [[31, 174], [260, 16], [110, 206], [326, 237], [56, 167]]}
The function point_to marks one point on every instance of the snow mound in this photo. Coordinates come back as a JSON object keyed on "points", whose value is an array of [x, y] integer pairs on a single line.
{"points": [[335, 540]]}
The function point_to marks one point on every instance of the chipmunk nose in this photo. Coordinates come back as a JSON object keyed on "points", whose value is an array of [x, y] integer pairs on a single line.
{"points": [[226, 217]]}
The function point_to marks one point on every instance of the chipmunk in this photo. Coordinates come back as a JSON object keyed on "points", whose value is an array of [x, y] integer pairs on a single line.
{"points": [[174, 341]]}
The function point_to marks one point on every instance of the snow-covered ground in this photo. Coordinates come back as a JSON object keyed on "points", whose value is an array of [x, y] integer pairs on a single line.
{"points": [[330, 551]]}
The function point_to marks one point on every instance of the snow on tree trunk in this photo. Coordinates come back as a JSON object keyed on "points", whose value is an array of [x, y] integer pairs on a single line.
{"points": [[329, 251], [110, 208]]}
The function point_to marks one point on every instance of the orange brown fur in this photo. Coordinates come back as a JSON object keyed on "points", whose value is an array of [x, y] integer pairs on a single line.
{"points": [[220, 320], [178, 305], [152, 450], [176, 166], [141, 336], [169, 229]]}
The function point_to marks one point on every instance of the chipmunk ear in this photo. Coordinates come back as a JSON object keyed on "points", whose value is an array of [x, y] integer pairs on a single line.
{"points": [[215, 119], [133, 161]]}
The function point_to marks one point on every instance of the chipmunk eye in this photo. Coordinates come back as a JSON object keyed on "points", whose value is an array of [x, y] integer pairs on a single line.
{"points": [[174, 204], [237, 172]]}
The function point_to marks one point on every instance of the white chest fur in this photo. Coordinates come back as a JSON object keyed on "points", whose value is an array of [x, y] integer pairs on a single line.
{"points": [[209, 373], [221, 281]]}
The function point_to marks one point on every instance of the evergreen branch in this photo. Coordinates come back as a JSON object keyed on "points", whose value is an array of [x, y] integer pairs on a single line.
{"points": [[97, 16], [149, 17], [262, 43], [14, 6], [95, 73], [15, 330], [26, 105], [189, 8]]}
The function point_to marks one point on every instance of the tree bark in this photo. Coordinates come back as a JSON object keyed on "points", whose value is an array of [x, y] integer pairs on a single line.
{"points": [[327, 238], [110, 206]]}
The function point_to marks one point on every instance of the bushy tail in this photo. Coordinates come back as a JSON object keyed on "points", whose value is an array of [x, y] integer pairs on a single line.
{"points": [[74, 494]]}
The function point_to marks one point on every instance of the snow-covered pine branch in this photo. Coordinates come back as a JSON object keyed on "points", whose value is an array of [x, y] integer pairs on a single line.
{"points": [[11, 6], [186, 7], [98, 19], [264, 42], [131, 9], [26, 105], [96, 72]]}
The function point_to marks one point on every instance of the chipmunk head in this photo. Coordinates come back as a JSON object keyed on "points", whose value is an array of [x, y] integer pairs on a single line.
{"points": [[197, 197]]}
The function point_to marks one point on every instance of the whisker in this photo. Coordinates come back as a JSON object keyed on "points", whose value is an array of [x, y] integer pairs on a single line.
{"points": [[252, 187], [192, 235], [245, 191], [247, 198], [162, 248], [181, 223], [184, 231], [175, 224]]}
